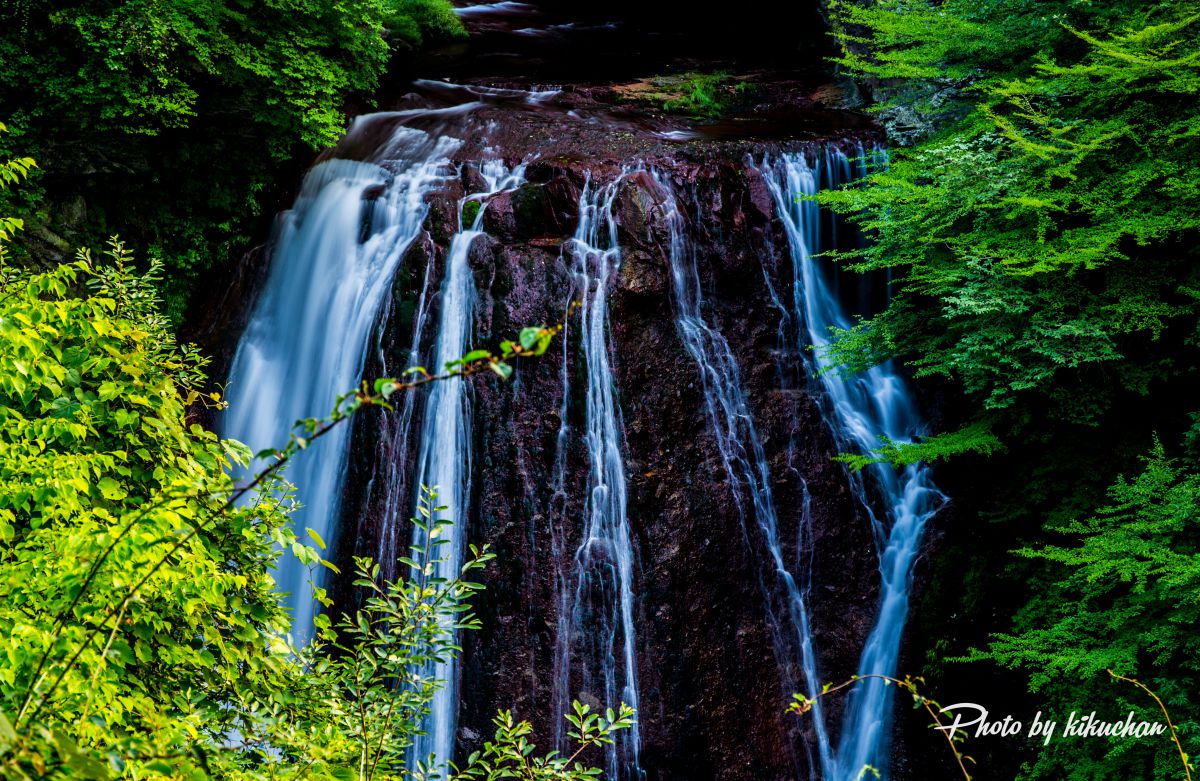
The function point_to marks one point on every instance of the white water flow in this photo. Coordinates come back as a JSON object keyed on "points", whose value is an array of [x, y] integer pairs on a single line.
{"points": [[742, 457], [862, 410], [444, 455], [598, 637], [560, 523], [395, 431], [332, 261]]}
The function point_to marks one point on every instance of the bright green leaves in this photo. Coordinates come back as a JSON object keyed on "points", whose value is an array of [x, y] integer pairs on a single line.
{"points": [[1041, 239], [110, 489], [139, 621], [531, 342], [511, 755], [909, 40], [1138, 557], [124, 584], [385, 387], [474, 355], [973, 438], [1118, 590], [414, 23]]}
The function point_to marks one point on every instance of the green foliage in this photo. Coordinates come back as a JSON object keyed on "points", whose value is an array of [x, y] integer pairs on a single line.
{"points": [[416, 23], [142, 67], [135, 605], [1120, 592], [508, 755], [1045, 232], [172, 118], [139, 624], [354, 699], [973, 438], [470, 211], [699, 95], [1041, 232], [11, 172], [141, 635]]}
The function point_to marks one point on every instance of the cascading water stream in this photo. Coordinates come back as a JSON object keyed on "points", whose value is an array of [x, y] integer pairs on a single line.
{"points": [[862, 410], [560, 509], [600, 621], [332, 262], [742, 456], [444, 451]]}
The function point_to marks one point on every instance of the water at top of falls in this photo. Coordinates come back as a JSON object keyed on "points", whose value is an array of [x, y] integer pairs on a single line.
{"points": [[862, 410], [602, 603], [444, 454], [508, 6], [744, 461], [469, 94], [332, 261]]}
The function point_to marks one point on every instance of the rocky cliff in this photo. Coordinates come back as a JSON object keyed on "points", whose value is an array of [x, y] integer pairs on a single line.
{"points": [[714, 671], [713, 688]]}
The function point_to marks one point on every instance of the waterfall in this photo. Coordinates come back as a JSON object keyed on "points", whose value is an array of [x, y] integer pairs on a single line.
{"points": [[444, 451], [332, 261], [861, 410], [742, 457], [600, 620]]}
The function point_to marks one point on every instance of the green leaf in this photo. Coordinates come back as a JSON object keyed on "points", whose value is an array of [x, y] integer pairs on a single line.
{"points": [[476, 355], [110, 489], [529, 337]]}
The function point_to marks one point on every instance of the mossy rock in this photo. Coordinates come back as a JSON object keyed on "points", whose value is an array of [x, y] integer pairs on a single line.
{"points": [[531, 210], [470, 212]]}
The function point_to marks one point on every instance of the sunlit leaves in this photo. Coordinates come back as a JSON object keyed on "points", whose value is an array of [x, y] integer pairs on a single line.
{"points": [[141, 625], [134, 610]]}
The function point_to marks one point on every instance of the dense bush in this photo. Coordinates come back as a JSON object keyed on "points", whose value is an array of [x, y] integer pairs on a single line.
{"points": [[417, 22], [171, 118]]}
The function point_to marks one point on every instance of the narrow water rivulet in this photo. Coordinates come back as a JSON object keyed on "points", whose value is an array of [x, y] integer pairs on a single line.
{"points": [[597, 637], [444, 449], [745, 465], [865, 411]]}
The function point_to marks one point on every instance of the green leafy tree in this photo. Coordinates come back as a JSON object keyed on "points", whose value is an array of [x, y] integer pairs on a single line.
{"points": [[173, 118], [1041, 232], [1041, 235], [142, 633], [1120, 593], [136, 603]]}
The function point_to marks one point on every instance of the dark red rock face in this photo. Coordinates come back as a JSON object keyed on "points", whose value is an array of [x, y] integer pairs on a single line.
{"points": [[714, 684]]}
